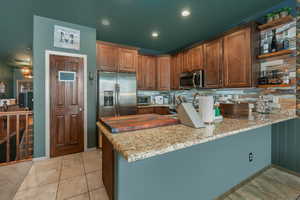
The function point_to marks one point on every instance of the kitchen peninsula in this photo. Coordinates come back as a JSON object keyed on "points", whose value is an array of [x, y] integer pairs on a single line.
{"points": [[183, 161]]}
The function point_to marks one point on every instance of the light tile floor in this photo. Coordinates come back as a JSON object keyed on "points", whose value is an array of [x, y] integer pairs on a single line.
{"points": [[272, 184], [11, 177], [78, 177], [72, 177]]}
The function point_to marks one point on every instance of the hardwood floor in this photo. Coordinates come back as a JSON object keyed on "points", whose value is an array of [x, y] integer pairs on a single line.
{"points": [[273, 184]]}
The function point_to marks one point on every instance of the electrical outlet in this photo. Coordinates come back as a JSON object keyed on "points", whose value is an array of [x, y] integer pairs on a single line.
{"points": [[251, 157]]}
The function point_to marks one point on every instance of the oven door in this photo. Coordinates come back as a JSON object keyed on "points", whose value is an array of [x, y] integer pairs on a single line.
{"points": [[187, 81]]}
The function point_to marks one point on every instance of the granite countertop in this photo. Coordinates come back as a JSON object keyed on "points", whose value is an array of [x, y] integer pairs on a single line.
{"points": [[142, 144], [153, 105]]}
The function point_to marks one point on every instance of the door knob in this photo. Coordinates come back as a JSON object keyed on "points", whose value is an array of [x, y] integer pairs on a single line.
{"points": [[80, 109]]}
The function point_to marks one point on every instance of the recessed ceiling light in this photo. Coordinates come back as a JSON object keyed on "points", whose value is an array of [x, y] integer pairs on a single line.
{"points": [[185, 13], [105, 22], [155, 34]]}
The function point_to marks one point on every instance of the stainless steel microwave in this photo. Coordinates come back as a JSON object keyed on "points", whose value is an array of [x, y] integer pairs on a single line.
{"points": [[192, 80]]}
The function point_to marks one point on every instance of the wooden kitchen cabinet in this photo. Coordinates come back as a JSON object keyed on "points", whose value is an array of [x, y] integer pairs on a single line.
{"points": [[162, 110], [176, 69], [108, 167], [146, 72], [163, 72], [187, 61], [146, 110], [213, 64], [197, 62], [107, 57], [157, 110], [237, 59], [127, 60]]}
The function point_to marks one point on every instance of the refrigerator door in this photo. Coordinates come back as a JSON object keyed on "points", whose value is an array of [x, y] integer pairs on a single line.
{"points": [[107, 98], [126, 96]]}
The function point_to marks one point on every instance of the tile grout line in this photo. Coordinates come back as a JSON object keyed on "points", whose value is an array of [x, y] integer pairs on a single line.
{"points": [[85, 174], [60, 172]]}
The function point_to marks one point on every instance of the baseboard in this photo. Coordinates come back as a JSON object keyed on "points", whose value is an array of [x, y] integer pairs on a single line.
{"points": [[91, 149], [40, 158], [286, 170], [240, 185]]}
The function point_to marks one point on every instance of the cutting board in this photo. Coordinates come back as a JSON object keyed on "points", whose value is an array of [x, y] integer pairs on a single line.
{"points": [[136, 122]]}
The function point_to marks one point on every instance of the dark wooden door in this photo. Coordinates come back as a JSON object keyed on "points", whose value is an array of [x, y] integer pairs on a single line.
{"points": [[67, 101], [213, 64], [163, 73], [237, 59]]}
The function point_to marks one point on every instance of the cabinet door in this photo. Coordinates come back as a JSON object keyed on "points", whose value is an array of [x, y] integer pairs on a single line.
{"points": [[162, 110], [150, 73], [140, 76], [187, 61], [198, 58], [213, 64], [176, 69], [107, 57], [149, 110], [127, 60], [237, 59], [163, 73]]}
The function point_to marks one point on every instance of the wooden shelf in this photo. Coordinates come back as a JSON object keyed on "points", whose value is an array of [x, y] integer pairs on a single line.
{"points": [[275, 86], [277, 22], [278, 53]]}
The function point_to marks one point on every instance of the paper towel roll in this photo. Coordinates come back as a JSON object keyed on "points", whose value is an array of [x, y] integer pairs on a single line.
{"points": [[206, 109]]}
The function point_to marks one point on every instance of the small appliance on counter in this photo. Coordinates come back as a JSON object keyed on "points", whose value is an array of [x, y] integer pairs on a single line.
{"points": [[144, 100], [159, 100], [263, 105]]}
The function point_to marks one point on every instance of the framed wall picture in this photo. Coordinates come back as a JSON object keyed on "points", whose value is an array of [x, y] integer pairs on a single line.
{"points": [[66, 38]]}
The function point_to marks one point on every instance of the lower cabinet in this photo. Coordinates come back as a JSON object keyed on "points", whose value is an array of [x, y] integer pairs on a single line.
{"points": [[108, 167], [152, 110]]}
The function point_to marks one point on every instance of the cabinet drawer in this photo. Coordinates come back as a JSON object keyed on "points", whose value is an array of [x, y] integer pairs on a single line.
{"points": [[149, 110], [161, 110]]}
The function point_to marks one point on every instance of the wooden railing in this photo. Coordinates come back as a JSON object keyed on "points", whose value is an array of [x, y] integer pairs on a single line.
{"points": [[18, 125]]}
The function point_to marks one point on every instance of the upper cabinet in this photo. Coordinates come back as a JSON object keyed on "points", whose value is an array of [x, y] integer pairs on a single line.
{"points": [[146, 73], [163, 72], [176, 69], [128, 60], [107, 57], [237, 59], [213, 64], [113, 58], [197, 62], [187, 58]]}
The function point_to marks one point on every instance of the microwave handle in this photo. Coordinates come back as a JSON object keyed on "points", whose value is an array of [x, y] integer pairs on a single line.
{"points": [[194, 83]]}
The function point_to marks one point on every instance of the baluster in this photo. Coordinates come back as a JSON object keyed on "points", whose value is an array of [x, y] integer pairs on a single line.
{"points": [[26, 135], [8, 139], [18, 136]]}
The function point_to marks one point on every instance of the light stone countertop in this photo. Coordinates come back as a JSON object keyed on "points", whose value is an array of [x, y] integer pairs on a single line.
{"points": [[154, 105], [142, 144]]}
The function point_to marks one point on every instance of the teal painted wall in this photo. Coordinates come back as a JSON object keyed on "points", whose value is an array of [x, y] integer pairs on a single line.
{"points": [[6, 75], [286, 144], [43, 33], [203, 172]]}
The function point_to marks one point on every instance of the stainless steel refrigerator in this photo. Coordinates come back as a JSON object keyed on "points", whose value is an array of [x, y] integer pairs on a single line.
{"points": [[116, 94]]}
